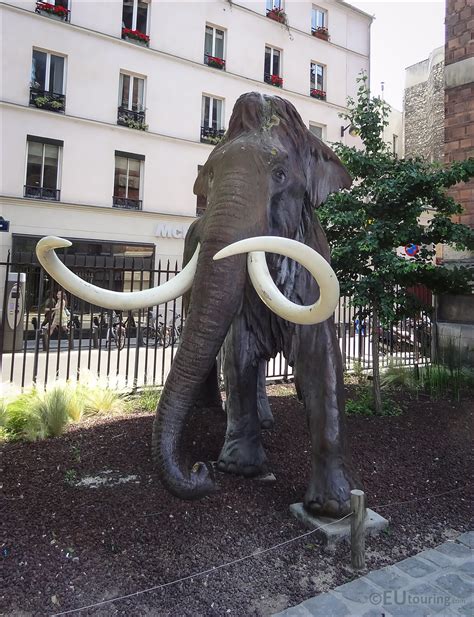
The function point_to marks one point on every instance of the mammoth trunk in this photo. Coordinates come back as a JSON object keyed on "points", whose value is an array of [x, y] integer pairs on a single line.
{"points": [[217, 292]]}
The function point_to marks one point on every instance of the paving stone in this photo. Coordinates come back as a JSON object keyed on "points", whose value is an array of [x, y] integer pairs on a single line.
{"points": [[453, 549], [455, 585], [326, 605], [467, 609], [424, 594], [388, 578], [437, 558], [357, 591], [415, 567], [410, 611], [467, 568], [467, 539], [376, 612]]}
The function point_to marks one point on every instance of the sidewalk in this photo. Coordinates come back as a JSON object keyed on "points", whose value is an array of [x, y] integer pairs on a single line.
{"points": [[436, 582]]}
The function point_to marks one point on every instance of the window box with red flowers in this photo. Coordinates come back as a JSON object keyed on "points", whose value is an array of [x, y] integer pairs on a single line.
{"points": [[321, 33], [274, 80], [214, 62], [318, 94], [135, 36], [277, 15], [56, 11]]}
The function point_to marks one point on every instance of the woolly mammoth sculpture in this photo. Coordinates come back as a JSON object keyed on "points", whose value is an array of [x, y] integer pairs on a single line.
{"points": [[247, 292]]}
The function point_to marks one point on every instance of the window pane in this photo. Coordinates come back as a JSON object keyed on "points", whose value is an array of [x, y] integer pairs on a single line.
{"points": [[268, 60], [38, 70], [63, 3], [276, 62], [312, 75], [137, 101], [120, 181], [316, 130], [127, 15], [56, 74], [125, 90], [319, 77], [217, 113], [219, 44], [133, 179], [206, 102], [34, 164], [269, 5], [321, 19], [142, 16], [313, 19], [50, 176], [208, 41]]}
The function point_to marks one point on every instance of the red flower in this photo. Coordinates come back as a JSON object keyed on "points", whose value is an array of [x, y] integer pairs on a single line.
{"points": [[319, 94], [276, 80], [135, 34]]}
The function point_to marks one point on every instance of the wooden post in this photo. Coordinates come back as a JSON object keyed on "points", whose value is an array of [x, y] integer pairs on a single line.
{"points": [[358, 529]]}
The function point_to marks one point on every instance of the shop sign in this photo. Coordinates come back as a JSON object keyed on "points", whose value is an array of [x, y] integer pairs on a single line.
{"points": [[176, 231]]}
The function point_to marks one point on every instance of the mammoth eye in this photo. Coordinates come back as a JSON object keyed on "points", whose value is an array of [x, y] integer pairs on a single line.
{"points": [[279, 175]]}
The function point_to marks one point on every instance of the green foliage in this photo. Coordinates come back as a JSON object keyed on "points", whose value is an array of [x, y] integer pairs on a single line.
{"points": [[136, 124], [148, 399], [22, 420], [70, 477], [363, 404], [53, 410], [381, 212], [398, 376]]}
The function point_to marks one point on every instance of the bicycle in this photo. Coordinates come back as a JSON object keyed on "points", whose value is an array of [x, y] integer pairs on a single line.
{"points": [[156, 333], [117, 332]]}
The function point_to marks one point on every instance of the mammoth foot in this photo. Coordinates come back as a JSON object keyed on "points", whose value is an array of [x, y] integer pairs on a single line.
{"points": [[328, 493], [265, 415], [242, 456]]}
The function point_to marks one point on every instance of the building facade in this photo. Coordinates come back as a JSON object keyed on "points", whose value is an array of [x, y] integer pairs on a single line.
{"points": [[108, 109]]}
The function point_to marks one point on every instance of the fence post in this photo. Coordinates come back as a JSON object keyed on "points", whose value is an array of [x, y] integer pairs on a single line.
{"points": [[358, 529]]}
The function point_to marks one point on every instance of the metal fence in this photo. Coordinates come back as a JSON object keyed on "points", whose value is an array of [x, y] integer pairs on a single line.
{"points": [[47, 334]]}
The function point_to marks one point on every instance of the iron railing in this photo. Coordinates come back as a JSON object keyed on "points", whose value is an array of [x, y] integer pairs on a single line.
{"points": [[130, 117], [40, 192], [210, 135], [44, 99], [35, 348], [127, 204]]}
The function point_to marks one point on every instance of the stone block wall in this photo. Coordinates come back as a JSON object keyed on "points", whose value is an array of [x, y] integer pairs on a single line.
{"points": [[424, 111]]}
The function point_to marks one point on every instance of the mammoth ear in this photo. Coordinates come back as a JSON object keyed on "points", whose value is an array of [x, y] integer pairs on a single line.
{"points": [[326, 173], [200, 184]]}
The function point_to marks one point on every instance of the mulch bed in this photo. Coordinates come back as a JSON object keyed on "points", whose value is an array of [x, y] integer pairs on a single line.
{"points": [[64, 546]]}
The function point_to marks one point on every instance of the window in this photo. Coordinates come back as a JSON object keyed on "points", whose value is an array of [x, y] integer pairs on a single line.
{"points": [[317, 81], [274, 4], [42, 168], [128, 180], [131, 104], [135, 18], [47, 81], [319, 18], [214, 47], [212, 119], [318, 129], [394, 143], [272, 71]]}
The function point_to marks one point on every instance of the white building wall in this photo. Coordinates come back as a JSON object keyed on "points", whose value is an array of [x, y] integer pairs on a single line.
{"points": [[176, 78]]}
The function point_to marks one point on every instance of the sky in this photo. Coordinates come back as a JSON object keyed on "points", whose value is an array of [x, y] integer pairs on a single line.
{"points": [[402, 34]]}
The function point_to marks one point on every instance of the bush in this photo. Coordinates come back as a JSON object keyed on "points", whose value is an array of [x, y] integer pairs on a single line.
{"points": [[53, 410], [148, 399], [398, 376], [363, 404], [22, 420], [100, 400]]}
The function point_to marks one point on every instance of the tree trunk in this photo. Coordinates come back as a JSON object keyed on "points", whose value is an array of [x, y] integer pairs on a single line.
{"points": [[376, 364]]}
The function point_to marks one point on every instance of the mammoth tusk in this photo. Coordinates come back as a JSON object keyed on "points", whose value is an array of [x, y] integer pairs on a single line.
{"points": [[269, 293], [122, 301]]}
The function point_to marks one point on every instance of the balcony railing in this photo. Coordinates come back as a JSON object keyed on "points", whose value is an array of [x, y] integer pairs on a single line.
{"points": [[318, 94], [214, 62], [39, 192], [210, 135], [126, 204], [47, 100], [131, 118], [51, 10], [273, 80]]}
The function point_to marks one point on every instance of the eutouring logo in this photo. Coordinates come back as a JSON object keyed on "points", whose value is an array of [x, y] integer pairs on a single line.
{"points": [[405, 598]]}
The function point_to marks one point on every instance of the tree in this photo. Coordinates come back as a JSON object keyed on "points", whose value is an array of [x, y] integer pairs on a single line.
{"points": [[392, 203]]}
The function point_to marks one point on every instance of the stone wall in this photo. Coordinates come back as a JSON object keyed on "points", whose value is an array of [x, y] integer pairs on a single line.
{"points": [[424, 109]]}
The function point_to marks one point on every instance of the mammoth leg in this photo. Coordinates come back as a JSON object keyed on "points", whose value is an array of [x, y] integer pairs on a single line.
{"points": [[209, 396], [263, 406], [320, 382], [242, 452]]}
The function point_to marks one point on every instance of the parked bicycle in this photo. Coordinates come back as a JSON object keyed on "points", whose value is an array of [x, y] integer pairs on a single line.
{"points": [[117, 331]]}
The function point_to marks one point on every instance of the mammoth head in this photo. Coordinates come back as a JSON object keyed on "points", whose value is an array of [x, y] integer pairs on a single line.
{"points": [[270, 172]]}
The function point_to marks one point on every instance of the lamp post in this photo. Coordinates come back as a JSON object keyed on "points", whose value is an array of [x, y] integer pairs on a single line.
{"points": [[353, 132]]}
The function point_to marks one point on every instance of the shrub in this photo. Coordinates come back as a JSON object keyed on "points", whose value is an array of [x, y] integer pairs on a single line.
{"points": [[363, 404], [148, 399], [100, 400], [398, 376], [22, 420], [53, 410]]}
